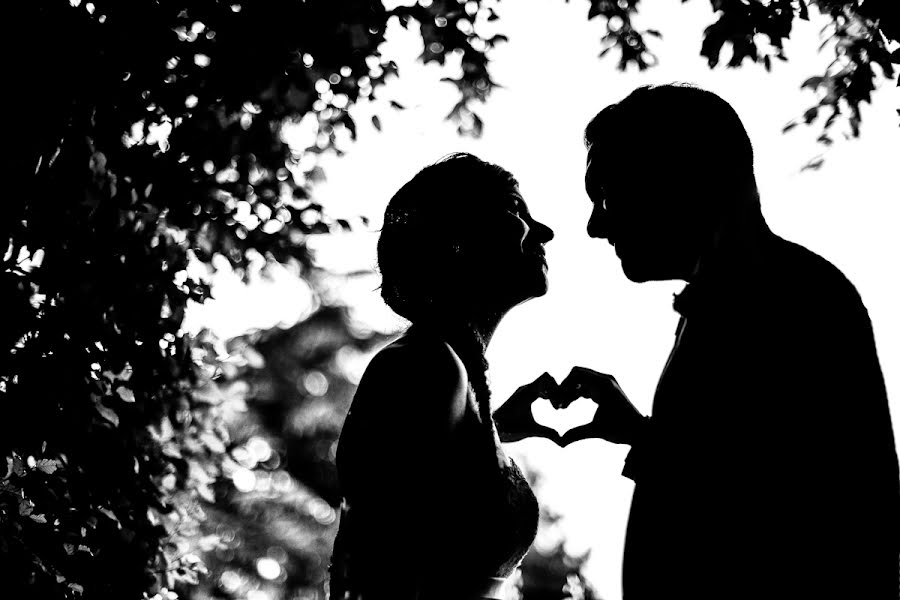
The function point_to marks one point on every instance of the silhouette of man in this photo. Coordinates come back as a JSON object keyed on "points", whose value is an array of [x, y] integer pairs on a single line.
{"points": [[768, 467]]}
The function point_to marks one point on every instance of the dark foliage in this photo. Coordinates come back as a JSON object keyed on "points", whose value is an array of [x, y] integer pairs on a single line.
{"points": [[148, 135], [859, 33], [273, 523]]}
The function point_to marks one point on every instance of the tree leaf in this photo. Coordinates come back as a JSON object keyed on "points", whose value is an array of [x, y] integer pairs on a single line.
{"points": [[812, 83], [789, 126], [813, 165], [108, 414], [47, 465]]}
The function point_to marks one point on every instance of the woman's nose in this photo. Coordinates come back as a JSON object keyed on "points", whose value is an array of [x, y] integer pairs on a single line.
{"points": [[542, 232]]}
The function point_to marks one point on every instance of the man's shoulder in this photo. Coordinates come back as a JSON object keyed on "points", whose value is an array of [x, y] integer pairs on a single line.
{"points": [[801, 274]]}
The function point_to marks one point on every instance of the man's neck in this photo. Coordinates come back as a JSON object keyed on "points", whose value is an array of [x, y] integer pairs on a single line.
{"points": [[736, 246]]}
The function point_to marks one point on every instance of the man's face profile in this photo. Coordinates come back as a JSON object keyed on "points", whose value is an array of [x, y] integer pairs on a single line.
{"points": [[636, 209]]}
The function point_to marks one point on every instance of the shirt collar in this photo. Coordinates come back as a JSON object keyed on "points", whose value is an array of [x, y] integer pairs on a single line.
{"points": [[719, 281]]}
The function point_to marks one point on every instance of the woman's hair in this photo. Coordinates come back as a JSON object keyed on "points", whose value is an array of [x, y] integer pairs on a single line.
{"points": [[424, 227], [421, 250]]}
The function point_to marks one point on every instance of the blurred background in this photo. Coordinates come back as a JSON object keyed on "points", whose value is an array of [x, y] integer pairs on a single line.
{"points": [[192, 253]]}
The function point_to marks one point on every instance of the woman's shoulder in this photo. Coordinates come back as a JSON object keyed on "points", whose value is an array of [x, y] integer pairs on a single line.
{"points": [[419, 373], [413, 358]]}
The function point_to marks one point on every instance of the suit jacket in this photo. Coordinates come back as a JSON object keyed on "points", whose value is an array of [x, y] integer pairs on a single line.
{"points": [[768, 468]]}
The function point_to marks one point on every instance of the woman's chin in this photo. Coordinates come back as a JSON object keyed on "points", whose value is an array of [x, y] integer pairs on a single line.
{"points": [[541, 285]]}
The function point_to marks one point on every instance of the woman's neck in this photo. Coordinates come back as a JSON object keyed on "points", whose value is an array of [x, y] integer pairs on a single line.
{"points": [[486, 326], [483, 324]]}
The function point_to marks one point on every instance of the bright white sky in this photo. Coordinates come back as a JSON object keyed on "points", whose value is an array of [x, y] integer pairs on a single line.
{"points": [[849, 212]]}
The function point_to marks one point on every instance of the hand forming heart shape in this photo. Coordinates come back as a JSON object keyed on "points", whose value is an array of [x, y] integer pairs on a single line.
{"points": [[615, 418], [516, 418]]}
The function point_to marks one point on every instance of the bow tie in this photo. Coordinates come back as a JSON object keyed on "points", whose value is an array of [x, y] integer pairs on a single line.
{"points": [[684, 301]]}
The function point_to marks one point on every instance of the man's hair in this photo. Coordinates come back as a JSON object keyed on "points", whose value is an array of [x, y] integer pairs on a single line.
{"points": [[694, 131]]}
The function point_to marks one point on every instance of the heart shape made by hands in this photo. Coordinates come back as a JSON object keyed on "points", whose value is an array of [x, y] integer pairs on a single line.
{"points": [[579, 412]]}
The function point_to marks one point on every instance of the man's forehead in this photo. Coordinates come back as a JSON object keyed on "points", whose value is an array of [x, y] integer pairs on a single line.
{"points": [[606, 167], [593, 169]]}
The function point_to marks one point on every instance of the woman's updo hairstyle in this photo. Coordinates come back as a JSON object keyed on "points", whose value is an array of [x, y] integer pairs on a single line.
{"points": [[423, 237], [422, 247]]}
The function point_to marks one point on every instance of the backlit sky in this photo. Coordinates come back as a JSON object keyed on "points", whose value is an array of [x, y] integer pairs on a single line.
{"points": [[849, 212]]}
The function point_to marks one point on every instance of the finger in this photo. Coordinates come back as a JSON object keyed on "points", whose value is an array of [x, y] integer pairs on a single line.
{"points": [[543, 387], [588, 374], [555, 438], [539, 431], [546, 432], [545, 384], [535, 431], [585, 383], [579, 375], [557, 401], [526, 393], [563, 398], [582, 432], [571, 383], [583, 372], [571, 389]]}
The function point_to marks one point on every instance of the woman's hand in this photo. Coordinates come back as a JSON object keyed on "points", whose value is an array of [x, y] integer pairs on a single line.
{"points": [[514, 418], [616, 419]]}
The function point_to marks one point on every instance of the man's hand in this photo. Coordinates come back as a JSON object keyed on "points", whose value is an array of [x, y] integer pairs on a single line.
{"points": [[514, 418], [616, 419]]}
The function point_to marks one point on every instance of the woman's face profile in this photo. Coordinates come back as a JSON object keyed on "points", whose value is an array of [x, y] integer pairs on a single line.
{"points": [[505, 249]]}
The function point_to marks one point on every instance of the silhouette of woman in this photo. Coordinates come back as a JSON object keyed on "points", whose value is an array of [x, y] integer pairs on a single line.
{"points": [[433, 508]]}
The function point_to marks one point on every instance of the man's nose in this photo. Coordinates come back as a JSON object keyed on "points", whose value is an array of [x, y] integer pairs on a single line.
{"points": [[598, 225]]}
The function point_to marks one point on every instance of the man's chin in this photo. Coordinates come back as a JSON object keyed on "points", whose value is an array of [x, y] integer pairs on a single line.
{"points": [[638, 278], [635, 273], [641, 274]]}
